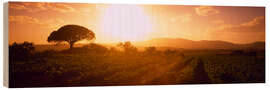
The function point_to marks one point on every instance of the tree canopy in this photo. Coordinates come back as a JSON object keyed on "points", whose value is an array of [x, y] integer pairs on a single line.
{"points": [[71, 34]]}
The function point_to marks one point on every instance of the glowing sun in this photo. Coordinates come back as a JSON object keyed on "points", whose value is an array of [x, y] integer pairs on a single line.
{"points": [[126, 23]]}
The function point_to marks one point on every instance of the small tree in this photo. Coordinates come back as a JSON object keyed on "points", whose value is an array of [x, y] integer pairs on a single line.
{"points": [[128, 47], [71, 34], [21, 51], [150, 50]]}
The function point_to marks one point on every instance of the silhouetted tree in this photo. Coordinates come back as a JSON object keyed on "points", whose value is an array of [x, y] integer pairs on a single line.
{"points": [[128, 47], [71, 34], [21, 51], [150, 50]]}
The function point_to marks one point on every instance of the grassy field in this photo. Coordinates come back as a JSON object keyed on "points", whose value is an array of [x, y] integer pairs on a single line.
{"points": [[98, 66]]}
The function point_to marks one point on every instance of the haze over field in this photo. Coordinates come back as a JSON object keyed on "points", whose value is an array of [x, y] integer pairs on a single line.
{"points": [[78, 44], [117, 23], [203, 44]]}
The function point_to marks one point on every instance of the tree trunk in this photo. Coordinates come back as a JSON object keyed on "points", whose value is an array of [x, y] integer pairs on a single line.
{"points": [[71, 45]]}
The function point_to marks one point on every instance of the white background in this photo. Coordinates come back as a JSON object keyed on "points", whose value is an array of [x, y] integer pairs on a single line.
{"points": [[251, 86]]}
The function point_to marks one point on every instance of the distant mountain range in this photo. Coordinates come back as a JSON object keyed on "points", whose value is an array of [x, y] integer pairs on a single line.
{"points": [[203, 44], [174, 43]]}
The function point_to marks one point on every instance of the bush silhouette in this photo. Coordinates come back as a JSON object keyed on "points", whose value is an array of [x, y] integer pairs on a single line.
{"points": [[71, 34], [150, 50], [173, 53], [21, 51], [128, 47]]}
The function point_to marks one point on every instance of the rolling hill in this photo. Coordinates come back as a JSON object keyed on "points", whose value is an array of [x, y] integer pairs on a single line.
{"points": [[172, 43], [203, 44]]}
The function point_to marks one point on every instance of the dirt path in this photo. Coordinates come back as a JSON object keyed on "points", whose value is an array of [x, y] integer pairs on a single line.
{"points": [[161, 76], [169, 74]]}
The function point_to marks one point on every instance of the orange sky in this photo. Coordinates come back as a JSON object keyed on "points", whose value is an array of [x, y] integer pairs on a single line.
{"points": [[113, 23]]}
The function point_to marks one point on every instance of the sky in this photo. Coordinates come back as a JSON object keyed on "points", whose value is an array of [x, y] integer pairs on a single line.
{"points": [[33, 22]]}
